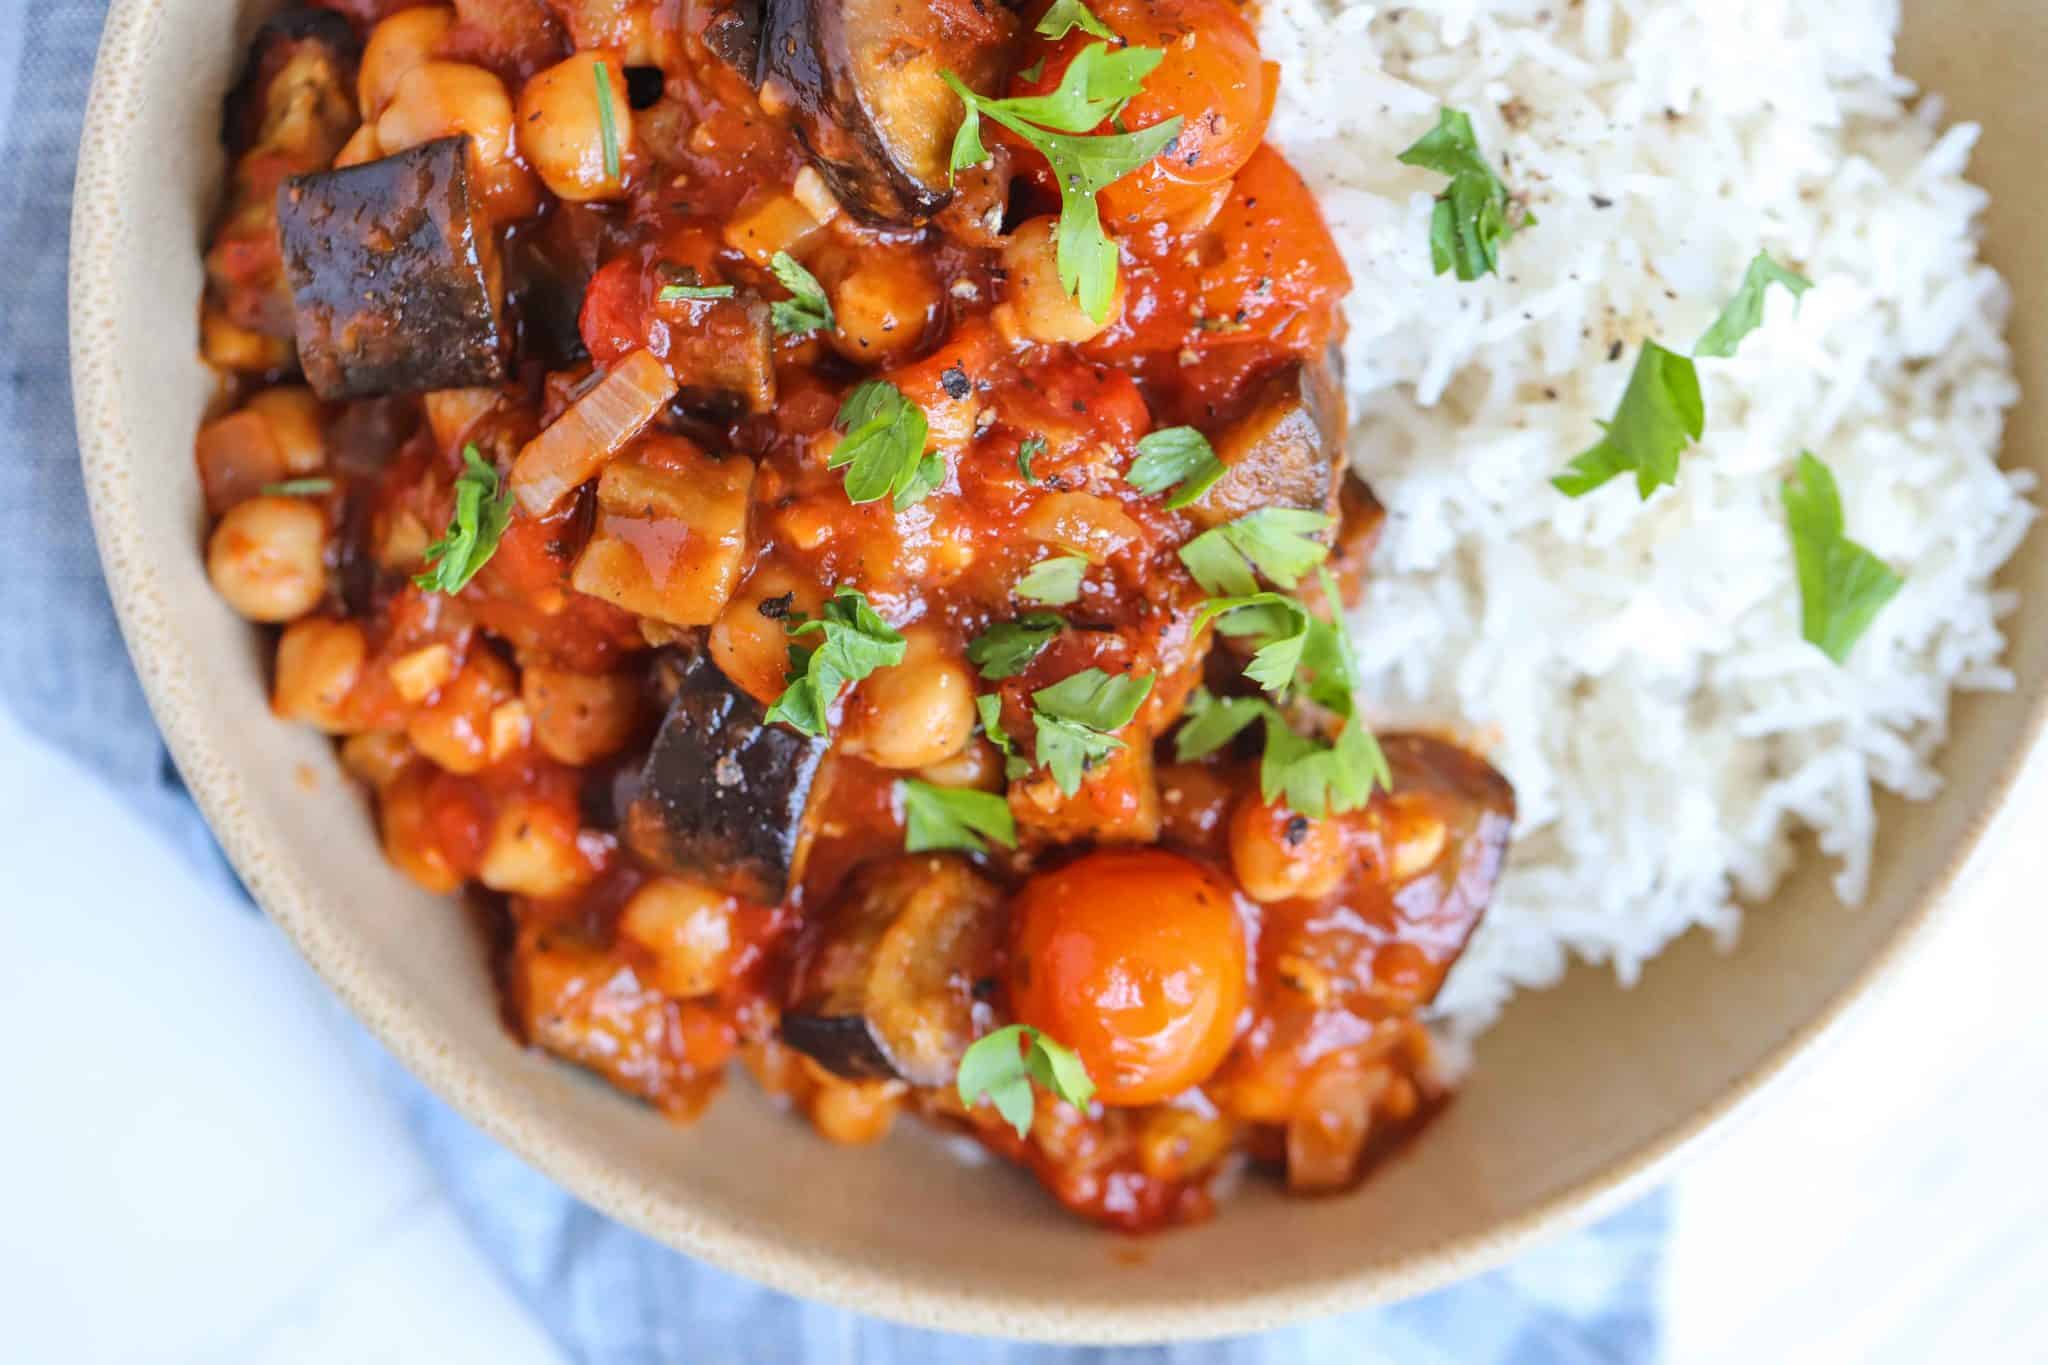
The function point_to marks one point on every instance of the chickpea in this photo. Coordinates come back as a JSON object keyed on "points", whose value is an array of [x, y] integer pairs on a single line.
{"points": [[532, 851], [292, 414], [1279, 855], [884, 307], [455, 731], [580, 717], [396, 45], [318, 663], [362, 145], [227, 345], [916, 714], [440, 99], [267, 557], [688, 929], [377, 758], [855, 1113], [977, 766], [750, 645], [409, 842], [561, 126], [1038, 307]]}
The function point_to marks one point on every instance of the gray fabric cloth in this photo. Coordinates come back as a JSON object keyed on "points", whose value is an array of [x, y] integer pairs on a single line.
{"points": [[608, 1295]]}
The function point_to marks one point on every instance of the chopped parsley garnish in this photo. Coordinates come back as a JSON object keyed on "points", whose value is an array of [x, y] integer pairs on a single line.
{"points": [[1179, 458], [853, 642], [1302, 658], [883, 449], [989, 707], [483, 509], [807, 310], [1071, 14], [1275, 541], [1096, 85], [1055, 582], [298, 488], [1029, 449], [1076, 718], [1473, 218], [606, 128], [1842, 585], [1005, 650], [1661, 413], [1003, 1065], [938, 818], [1745, 312], [1282, 622], [693, 293]]}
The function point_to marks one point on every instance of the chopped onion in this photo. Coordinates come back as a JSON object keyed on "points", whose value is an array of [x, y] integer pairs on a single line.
{"points": [[594, 429]]}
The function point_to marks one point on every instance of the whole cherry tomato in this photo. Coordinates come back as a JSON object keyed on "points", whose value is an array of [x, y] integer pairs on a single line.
{"points": [[1134, 959]]}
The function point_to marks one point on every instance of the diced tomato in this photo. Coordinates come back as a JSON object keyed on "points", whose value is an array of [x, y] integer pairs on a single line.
{"points": [[1266, 273]]}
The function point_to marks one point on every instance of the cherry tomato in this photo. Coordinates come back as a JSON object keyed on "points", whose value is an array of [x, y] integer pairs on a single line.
{"points": [[1135, 959]]}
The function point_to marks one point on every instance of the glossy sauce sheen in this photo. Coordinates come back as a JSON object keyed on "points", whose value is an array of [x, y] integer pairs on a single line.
{"points": [[1241, 982]]}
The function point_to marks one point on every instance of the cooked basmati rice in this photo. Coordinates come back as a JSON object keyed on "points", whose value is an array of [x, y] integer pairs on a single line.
{"points": [[1636, 670]]}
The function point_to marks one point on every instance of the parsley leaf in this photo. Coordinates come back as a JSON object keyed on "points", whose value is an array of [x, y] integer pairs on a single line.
{"points": [[1661, 413], [1275, 541], [1071, 14], [1096, 85], [1472, 220], [1305, 656], [1842, 585], [1054, 582], [606, 128], [883, 450], [989, 707], [693, 293], [1745, 312], [1075, 718], [1175, 456], [853, 643], [1005, 650], [483, 509], [1029, 449], [298, 488], [1003, 1065], [1214, 721], [937, 818], [1285, 624], [809, 310]]}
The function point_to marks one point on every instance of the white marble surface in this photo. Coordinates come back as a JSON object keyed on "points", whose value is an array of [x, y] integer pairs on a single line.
{"points": [[196, 1166]]}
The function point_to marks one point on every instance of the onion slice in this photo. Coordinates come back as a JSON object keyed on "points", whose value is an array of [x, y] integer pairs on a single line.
{"points": [[595, 428]]}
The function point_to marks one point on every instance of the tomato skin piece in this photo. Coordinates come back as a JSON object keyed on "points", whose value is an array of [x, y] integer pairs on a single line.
{"points": [[1135, 959]]}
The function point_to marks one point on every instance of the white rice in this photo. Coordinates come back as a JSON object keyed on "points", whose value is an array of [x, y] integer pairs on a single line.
{"points": [[1636, 670]]}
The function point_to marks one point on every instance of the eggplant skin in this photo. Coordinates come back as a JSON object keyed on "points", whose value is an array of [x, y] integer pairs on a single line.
{"points": [[394, 275], [1443, 905], [1285, 450], [890, 980], [723, 793], [861, 82]]}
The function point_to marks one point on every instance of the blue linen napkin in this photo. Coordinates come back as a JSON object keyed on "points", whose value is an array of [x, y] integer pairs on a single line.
{"points": [[609, 1296]]}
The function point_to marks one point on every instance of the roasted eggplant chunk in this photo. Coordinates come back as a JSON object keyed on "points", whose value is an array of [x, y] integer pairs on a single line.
{"points": [[1441, 883], [723, 793], [394, 275], [888, 986], [289, 112], [301, 66], [860, 79], [1285, 450]]}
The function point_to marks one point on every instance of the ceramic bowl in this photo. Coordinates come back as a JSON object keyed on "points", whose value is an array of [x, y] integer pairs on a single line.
{"points": [[1582, 1095]]}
